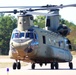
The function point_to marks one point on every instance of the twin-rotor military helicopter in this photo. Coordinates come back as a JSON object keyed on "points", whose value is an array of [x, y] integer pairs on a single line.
{"points": [[30, 43]]}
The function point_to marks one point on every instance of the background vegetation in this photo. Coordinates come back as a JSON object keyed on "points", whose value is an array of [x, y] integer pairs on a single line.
{"points": [[8, 23]]}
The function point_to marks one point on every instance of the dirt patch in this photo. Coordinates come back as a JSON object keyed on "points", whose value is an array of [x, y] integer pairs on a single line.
{"points": [[73, 52], [4, 56], [9, 64]]}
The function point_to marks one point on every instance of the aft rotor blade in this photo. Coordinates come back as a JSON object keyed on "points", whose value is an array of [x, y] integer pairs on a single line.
{"points": [[44, 14], [57, 7]]}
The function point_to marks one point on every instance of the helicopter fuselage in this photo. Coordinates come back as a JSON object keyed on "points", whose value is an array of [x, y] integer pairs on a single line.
{"points": [[39, 46]]}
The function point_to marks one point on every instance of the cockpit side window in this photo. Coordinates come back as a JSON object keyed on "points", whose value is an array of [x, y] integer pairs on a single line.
{"points": [[18, 35], [31, 35]]}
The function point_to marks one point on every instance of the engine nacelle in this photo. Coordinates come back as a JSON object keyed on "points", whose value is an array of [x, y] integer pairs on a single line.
{"points": [[63, 30]]}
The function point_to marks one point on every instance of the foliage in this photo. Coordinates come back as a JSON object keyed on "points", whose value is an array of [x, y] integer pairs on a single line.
{"points": [[40, 21], [7, 24]]}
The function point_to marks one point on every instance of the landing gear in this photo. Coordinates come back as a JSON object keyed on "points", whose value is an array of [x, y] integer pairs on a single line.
{"points": [[70, 65], [54, 65], [33, 66], [16, 65]]}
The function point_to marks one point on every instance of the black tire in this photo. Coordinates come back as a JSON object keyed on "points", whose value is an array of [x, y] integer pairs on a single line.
{"points": [[41, 64], [56, 65], [18, 65], [70, 65], [14, 66], [33, 66], [52, 65]]}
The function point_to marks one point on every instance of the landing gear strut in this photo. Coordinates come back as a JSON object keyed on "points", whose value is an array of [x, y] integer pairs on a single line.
{"points": [[16, 65]]}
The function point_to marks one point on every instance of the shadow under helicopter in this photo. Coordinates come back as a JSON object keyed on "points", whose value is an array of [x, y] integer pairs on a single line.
{"points": [[53, 69], [61, 67]]}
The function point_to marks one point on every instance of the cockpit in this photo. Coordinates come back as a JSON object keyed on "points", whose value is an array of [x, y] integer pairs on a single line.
{"points": [[28, 34], [31, 35], [18, 35]]}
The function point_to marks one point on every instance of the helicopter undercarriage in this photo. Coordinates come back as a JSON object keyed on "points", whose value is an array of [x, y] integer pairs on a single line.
{"points": [[54, 64], [53, 61]]}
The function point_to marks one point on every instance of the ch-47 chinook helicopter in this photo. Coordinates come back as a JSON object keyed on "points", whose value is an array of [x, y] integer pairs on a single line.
{"points": [[30, 43]]}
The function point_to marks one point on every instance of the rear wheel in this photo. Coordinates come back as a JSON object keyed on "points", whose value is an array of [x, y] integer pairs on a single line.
{"points": [[56, 65], [41, 64], [70, 65], [33, 66], [52, 65]]}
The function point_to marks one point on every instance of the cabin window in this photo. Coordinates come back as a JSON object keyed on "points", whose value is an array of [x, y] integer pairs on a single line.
{"points": [[44, 39]]}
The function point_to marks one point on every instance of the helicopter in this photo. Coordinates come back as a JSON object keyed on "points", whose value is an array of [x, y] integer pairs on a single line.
{"points": [[30, 43]]}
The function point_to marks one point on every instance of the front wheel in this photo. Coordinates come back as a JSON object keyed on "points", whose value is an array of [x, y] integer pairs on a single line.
{"points": [[14, 65], [18, 65]]}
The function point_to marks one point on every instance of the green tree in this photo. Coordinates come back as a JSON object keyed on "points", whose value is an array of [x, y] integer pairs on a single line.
{"points": [[7, 24], [40, 21]]}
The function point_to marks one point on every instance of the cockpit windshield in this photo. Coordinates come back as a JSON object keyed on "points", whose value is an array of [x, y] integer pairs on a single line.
{"points": [[17, 35], [30, 35]]}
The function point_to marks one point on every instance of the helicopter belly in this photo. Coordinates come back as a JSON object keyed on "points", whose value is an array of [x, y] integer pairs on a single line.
{"points": [[58, 53]]}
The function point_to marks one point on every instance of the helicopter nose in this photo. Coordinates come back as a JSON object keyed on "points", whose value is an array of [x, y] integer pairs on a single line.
{"points": [[21, 45]]}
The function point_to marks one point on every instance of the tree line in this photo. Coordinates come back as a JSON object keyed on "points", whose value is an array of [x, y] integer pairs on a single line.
{"points": [[9, 22]]}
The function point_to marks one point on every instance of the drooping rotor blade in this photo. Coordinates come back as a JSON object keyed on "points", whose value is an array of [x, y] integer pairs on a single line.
{"points": [[40, 13]]}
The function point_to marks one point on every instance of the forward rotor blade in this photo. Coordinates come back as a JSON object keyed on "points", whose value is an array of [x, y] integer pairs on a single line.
{"points": [[14, 11], [6, 11], [20, 6]]}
